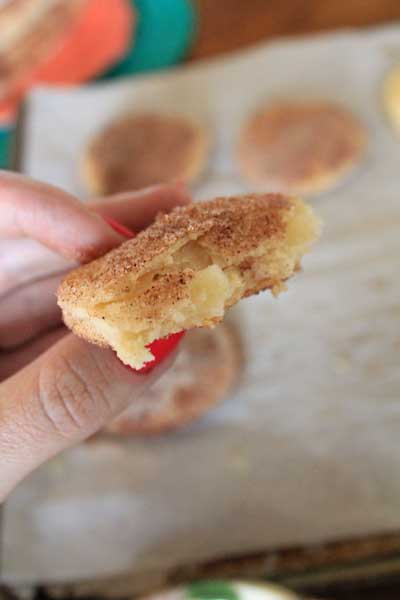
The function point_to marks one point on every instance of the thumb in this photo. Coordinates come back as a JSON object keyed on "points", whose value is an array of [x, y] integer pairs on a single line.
{"points": [[63, 397]]}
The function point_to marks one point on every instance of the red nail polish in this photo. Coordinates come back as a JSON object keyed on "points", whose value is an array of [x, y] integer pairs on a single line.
{"points": [[119, 228], [160, 350]]}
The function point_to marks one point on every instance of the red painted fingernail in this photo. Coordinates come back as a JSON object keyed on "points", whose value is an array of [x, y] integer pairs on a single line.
{"points": [[119, 228], [160, 349]]}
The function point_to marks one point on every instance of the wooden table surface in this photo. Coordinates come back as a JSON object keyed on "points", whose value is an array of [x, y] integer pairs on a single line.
{"points": [[375, 592], [227, 25]]}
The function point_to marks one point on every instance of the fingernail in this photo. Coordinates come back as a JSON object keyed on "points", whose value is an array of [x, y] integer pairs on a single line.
{"points": [[161, 349], [119, 228]]}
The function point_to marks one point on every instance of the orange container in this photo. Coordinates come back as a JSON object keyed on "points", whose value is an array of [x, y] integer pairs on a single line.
{"points": [[100, 37]]}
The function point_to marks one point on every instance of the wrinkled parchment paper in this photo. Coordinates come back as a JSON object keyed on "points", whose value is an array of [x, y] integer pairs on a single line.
{"points": [[308, 447]]}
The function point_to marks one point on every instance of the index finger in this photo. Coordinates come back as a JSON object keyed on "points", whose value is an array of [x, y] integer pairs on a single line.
{"points": [[53, 217]]}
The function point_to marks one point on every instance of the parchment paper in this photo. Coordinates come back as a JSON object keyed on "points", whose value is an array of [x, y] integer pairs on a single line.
{"points": [[308, 447]]}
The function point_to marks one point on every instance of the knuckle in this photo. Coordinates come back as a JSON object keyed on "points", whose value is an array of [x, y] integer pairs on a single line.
{"points": [[71, 397]]}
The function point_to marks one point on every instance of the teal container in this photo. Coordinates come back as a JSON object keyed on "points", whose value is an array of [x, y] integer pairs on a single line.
{"points": [[6, 142], [165, 31]]}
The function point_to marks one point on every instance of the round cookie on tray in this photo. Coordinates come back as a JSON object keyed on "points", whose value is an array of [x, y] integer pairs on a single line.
{"points": [[300, 147], [205, 370], [141, 149], [391, 97]]}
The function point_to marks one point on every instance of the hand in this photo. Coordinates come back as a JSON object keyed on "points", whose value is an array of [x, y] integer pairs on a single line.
{"points": [[55, 389]]}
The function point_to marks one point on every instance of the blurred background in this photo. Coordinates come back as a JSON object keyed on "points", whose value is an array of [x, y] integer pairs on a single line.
{"points": [[75, 41], [143, 35]]}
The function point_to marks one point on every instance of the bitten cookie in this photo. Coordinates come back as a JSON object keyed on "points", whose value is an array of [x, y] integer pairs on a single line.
{"points": [[185, 270], [139, 150], [300, 148]]}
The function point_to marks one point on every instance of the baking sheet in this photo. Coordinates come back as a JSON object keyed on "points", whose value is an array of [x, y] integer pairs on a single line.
{"points": [[307, 448]]}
